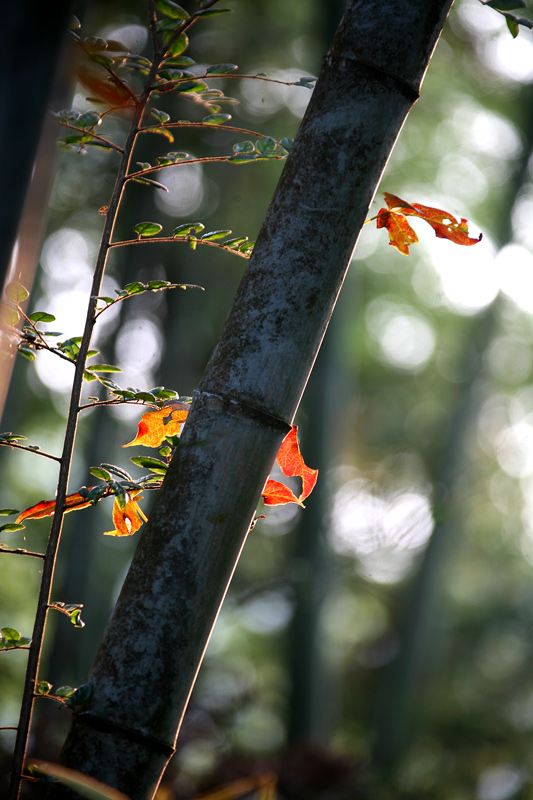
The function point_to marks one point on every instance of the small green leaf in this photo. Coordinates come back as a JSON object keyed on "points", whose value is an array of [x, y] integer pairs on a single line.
{"points": [[100, 473], [214, 235], [162, 116], [191, 87], [6, 512], [244, 147], [135, 287], [88, 120], [146, 397], [242, 158], [513, 25], [41, 316], [147, 228], [266, 146], [163, 394], [143, 165], [43, 687], [170, 9], [163, 131], [96, 493], [11, 527], [216, 119], [221, 69], [211, 12], [155, 285], [188, 228], [81, 696], [192, 244], [287, 144], [16, 292], [178, 46], [65, 691], [26, 352], [103, 368], [153, 464], [235, 242], [121, 473], [506, 5]]}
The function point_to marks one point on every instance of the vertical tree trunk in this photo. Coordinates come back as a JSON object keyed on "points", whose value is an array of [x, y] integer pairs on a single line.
{"points": [[145, 668]]}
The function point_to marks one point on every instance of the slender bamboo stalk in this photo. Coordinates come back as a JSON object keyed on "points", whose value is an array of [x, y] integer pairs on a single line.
{"points": [[50, 556]]}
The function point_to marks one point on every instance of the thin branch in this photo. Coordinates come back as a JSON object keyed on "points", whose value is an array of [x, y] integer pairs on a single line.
{"points": [[152, 18], [166, 239], [94, 135], [19, 551], [68, 447], [206, 160], [160, 289], [223, 127], [30, 450]]}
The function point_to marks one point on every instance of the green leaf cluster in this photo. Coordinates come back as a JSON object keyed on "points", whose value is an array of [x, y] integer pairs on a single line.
{"points": [[10, 639]]}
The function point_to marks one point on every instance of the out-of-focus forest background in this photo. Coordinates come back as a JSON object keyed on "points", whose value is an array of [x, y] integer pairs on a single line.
{"points": [[379, 643]]}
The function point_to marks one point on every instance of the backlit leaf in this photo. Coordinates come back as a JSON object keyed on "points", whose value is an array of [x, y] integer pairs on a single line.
{"points": [[220, 69], [41, 316], [291, 463], [188, 228], [45, 508], [178, 46], [276, 494], [402, 235], [162, 116], [103, 368], [147, 228], [16, 292], [216, 119], [170, 9], [128, 519], [155, 426], [214, 235]]}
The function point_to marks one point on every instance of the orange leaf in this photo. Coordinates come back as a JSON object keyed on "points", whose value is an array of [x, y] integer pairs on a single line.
{"points": [[127, 520], [393, 201], [444, 224], [401, 234], [291, 463], [153, 429], [45, 508], [276, 494], [106, 90]]}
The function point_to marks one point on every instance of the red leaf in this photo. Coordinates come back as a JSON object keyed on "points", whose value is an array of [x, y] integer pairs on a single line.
{"points": [[45, 508], [291, 463], [155, 426], [276, 494], [401, 233]]}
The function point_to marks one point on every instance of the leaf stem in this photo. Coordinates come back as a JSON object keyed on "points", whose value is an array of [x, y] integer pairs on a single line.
{"points": [[166, 239]]}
